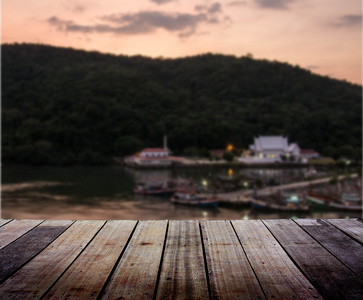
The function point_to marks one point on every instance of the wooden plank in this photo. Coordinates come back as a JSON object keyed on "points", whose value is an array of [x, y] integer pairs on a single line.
{"points": [[15, 229], [330, 277], [277, 274], [354, 228], [23, 249], [4, 221], [183, 273], [79, 281], [36, 277], [230, 274], [136, 274], [341, 245]]}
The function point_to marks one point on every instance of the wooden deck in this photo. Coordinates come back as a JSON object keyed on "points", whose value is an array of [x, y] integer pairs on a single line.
{"points": [[280, 259]]}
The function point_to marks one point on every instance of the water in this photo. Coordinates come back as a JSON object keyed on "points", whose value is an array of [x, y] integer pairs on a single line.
{"points": [[107, 193]]}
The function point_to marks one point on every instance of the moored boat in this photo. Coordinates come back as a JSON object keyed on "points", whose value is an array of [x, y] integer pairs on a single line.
{"points": [[194, 199], [342, 206], [351, 199], [280, 202], [317, 200], [155, 188], [186, 193]]}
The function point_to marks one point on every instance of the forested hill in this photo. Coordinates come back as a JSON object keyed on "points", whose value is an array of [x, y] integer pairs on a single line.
{"points": [[65, 106]]}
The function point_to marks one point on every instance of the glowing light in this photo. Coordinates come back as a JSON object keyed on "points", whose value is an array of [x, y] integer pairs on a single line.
{"points": [[230, 147], [245, 184], [204, 182], [230, 172]]}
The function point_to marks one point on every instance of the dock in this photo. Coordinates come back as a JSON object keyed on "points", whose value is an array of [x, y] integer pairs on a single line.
{"points": [[240, 197], [181, 259]]}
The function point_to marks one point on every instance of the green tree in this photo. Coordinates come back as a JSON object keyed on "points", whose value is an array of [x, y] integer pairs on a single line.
{"points": [[228, 156], [127, 145]]}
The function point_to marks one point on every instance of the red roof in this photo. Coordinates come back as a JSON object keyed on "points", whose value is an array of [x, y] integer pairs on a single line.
{"points": [[154, 150], [217, 152], [307, 151]]}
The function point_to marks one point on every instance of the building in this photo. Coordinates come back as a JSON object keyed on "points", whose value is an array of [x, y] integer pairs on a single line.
{"points": [[270, 149], [154, 152], [152, 157], [309, 153], [217, 153]]}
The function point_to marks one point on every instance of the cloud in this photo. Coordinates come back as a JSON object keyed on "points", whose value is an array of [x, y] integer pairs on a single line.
{"points": [[275, 4], [185, 24], [349, 21], [237, 3], [161, 1], [149, 21], [79, 9], [215, 8]]}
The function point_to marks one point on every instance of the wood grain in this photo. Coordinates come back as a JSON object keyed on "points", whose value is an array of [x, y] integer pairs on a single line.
{"points": [[15, 229], [29, 245], [4, 221], [277, 274], [330, 277], [183, 273], [136, 274], [85, 278], [341, 245], [230, 274], [353, 228], [36, 277]]}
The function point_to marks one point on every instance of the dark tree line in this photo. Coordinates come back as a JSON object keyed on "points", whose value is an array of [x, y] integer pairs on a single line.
{"points": [[63, 106]]}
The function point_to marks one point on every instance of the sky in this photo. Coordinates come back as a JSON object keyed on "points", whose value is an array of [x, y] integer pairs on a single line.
{"points": [[324, 36]]}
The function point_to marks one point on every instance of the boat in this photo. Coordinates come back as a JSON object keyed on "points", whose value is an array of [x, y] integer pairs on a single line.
{"points": [[194, 199], [155, 188], [186, 193], [342, 206], [280, 202], [322, 196], [318, 200], [350, 199]]}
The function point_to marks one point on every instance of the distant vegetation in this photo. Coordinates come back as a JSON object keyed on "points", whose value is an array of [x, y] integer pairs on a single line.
{"points": [[63, 106]]}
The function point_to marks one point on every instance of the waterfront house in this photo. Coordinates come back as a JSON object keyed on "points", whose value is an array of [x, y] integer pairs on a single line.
{"points": [[153, 157], [217, 153], [309, 153], [154, 152], [271, 149]]}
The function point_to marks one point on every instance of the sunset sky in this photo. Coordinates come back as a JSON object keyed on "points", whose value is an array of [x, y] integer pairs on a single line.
{"points": [[324, 36]]}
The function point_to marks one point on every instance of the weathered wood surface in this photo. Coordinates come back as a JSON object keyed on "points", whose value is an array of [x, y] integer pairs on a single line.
{"points": [[353, 228], [136, 275], [15, 229], [85, 278], [280, 259], [316, 262], [278, 275], [3, 221], [337, 242], [26, 247], [183, 271], [229, 271]]}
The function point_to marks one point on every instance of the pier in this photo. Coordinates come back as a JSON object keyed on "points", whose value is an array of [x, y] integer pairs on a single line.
{"points": [[240, 197], [191, 259]]}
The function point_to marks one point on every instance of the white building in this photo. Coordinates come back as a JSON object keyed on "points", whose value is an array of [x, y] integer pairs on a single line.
{"points": [[151, 157], [270, 149], [154, 152]]}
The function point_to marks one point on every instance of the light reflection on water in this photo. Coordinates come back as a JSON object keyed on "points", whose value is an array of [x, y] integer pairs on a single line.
{"points": [[107, 193]]}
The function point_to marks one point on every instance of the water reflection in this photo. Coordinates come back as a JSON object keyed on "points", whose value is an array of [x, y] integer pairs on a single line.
{"points": [[107, 193]]}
